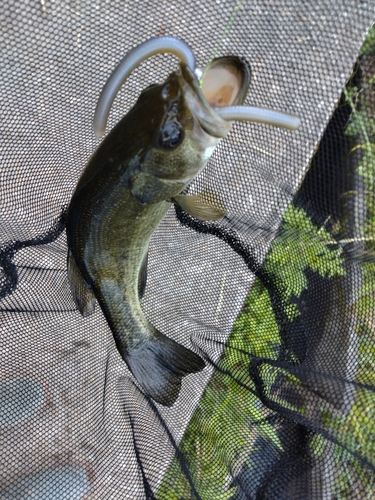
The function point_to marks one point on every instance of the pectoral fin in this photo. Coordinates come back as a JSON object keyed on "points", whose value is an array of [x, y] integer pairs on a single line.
{"points": [[201, 206], [83, 297]]}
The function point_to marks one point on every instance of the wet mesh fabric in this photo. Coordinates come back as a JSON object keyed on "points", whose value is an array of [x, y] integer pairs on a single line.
{"points": [[277, 297]]}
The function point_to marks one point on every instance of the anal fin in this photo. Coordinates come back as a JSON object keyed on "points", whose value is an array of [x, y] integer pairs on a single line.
{"points": [[83, 297]]}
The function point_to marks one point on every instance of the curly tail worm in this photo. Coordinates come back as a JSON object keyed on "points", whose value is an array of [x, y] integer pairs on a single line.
{"points": [[167, 44], [164, 44], [259, 115]]}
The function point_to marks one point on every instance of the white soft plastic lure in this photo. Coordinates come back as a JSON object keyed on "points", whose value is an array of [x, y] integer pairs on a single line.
{"points": [[179, 48]]}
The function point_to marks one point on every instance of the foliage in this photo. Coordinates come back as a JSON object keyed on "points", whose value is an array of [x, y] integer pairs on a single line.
{"points": [[358, 427], [222, 431], [301, 246], [368, 47]]}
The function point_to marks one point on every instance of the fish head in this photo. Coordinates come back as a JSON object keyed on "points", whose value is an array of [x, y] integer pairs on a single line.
{"points": [[185, 127]]}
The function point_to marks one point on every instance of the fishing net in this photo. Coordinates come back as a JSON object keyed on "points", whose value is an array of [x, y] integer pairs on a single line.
{"points": [[277, 297]]}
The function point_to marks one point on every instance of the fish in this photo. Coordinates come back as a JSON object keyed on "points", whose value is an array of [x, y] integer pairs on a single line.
{"points": [[137, 173]]}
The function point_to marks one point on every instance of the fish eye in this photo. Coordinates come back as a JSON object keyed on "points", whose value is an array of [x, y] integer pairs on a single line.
{"points": [[171, 135]]}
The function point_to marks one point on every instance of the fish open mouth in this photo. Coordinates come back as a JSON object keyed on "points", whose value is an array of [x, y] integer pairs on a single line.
{"points": [[226, 80], [224, 83]]}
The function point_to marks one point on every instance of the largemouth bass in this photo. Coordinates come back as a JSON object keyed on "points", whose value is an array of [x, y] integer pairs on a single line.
{"points": [[126, 189]]}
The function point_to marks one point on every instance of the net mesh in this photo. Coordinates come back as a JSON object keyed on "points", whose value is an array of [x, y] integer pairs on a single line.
{"points": [[277, 297]]}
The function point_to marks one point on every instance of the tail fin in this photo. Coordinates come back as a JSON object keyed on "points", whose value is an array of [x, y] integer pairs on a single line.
{"points": [[159, 365]]}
